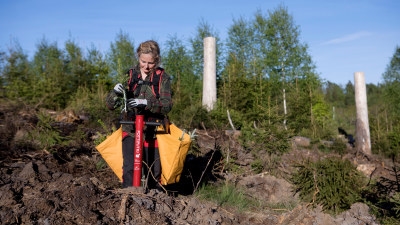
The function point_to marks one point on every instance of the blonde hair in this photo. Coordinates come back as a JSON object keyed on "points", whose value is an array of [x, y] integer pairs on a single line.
{"points": [[150, 47]]}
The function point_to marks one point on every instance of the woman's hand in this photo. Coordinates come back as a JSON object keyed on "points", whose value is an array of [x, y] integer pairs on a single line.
{"points": [[119, 89], [136, 103]]}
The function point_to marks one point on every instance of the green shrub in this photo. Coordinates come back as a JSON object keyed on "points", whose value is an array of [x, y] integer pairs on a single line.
{"points": [[226, 195], [101, 164], [333, 183], [44, 136], [270, 139], [338, 146], [393, 150], [92, 104], [395, 200], [257, 166], [383, 197]]}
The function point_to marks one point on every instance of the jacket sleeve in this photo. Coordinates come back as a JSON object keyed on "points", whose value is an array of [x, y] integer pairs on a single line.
{"points": [[163, 105], [112, 100]]}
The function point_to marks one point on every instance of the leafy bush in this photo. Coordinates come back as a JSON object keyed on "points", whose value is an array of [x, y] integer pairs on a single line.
{"points": [[333, 183]]}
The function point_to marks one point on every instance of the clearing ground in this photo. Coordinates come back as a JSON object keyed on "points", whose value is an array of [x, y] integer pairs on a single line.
{"points": [[65, 185]]}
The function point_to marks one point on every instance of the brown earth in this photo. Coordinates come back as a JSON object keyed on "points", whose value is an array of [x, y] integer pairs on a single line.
{"points": [[66, 185]]}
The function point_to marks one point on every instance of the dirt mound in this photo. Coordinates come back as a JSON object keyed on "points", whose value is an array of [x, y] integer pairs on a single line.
{"points": [[35, 193], [66, 186], [31, 193]]}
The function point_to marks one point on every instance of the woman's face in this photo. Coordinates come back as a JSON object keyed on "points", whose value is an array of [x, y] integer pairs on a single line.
{"points": [[146, 63]]}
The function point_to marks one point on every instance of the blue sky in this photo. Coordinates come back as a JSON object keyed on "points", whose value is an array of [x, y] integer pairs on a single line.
{"points": [[343, 36]]}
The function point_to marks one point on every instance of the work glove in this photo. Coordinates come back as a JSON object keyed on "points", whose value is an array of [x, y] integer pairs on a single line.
{"points": [[135, 103], [119, 89]]}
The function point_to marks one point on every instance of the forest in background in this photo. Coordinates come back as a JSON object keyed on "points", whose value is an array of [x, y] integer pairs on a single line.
{"points": [[260, 66]]}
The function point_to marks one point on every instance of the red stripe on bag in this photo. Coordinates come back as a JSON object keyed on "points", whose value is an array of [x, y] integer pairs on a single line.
{"points": [[124, 134], [150, 144]]}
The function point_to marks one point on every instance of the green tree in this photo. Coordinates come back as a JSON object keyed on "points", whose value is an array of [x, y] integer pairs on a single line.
{"points": [[266, 63], [288, 61], [333, 183], [85, 70], [390, 139], [349, 94], [197, 47], [240, 42], [186, 86], [392, 73], [76, 68], [391, 78], [334, 94], [345, 116], [50, 88], [235, 77], [15, 73], [308, 110], [121, 56], [91, 81], [98, 67]]}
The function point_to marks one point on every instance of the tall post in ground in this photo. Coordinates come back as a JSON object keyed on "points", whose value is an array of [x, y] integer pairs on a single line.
{"points": [[209, 74], [363, 139]]}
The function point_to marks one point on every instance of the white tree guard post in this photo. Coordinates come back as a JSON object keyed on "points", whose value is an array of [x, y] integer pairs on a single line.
{"points": [[209, 73], [363, 139]]}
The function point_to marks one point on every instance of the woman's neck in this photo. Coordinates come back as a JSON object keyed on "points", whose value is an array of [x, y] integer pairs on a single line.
{"points": [[144, 75]]}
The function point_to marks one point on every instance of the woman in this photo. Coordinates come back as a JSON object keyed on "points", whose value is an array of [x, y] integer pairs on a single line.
{"points": [[148, 92]]}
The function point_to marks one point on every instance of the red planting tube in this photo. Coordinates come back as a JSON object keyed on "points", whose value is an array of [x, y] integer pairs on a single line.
{"points": [[138, 151]]}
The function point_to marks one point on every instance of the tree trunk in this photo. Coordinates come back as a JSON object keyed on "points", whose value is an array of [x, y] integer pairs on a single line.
{"points": [[363, 141]]}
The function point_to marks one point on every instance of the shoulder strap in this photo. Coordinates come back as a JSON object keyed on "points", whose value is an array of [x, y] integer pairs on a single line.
{"points": [[133, 79], [155, 81]]}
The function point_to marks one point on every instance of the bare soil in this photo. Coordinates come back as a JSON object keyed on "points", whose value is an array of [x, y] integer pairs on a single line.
{"points": [[65, 185]]}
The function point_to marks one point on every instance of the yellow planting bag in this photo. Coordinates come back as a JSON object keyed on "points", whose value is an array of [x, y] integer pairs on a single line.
{"points": [[111, 151], [173, 148]]}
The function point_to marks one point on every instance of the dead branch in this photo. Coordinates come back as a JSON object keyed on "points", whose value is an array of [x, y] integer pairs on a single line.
{"points": [[122, 209], [230, 120], [205, 169]]}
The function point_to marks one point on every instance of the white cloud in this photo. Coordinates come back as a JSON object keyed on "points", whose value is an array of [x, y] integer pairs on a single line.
{"points": [[347, 38]]}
